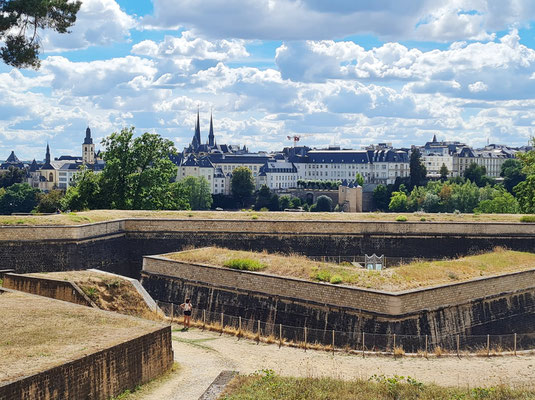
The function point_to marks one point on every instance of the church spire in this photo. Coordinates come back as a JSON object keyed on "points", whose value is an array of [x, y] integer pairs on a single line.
{"points": [[196, 142], [198, 129], [211, 139], [47, 156]]}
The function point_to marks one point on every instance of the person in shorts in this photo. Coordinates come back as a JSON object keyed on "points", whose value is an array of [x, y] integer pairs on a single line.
{"points": [[187, 308]]}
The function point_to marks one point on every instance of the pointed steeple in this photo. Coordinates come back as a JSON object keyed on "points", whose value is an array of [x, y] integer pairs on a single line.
{"points": [[434, 138], [47, 164], [13, 159], [198, 129], [211, 138], [196, 142]]}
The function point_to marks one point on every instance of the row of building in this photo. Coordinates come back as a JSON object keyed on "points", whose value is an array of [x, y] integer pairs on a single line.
{"points": [[59, 173], [280, 171]]}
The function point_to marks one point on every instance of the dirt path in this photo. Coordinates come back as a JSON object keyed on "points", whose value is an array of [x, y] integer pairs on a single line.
{"points": [[203, 355]]}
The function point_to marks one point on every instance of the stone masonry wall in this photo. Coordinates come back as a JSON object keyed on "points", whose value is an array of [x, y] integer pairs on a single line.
{"points": [[101, 375], [378, 302], [53, 288], [498, 314], [118, 246]]}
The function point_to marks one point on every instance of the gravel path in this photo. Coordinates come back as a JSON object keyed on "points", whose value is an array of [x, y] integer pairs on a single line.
{"points": [[203, 355]]}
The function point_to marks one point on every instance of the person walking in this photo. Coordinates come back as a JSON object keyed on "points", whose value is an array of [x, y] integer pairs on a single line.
{"points": [[187, 308]]}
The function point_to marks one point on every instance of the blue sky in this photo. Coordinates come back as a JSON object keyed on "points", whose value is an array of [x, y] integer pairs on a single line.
{"points": [[338, 72]]}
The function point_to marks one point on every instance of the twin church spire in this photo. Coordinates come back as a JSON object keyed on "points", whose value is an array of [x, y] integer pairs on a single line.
{"points": [[196, 143]]}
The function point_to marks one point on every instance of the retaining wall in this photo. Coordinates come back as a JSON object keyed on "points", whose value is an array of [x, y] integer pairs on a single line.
{"points": [[495, 305], [53, 288], [118, 246], [101, 375]]}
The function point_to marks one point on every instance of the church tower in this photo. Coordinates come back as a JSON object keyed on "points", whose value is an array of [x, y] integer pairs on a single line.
{"points": [[88, 148]]}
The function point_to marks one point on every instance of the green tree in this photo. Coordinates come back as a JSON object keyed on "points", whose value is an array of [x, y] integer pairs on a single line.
{"points": [[417, 169], [381, 197], [18, 198], [263, 198], [359, 179], [11, 176], [85, 192], [323, 203], [416, 198], [431, 203], [21, 21], [525, 194], [465, 197], [474, 173], [502, 203], [525, 190], [512, 174], [285, 202], [49, 202], [172, 197], [296, 203], [274, 204], [242, 184], [137, 170], [444, 172], [398, 202], [198, 190]]}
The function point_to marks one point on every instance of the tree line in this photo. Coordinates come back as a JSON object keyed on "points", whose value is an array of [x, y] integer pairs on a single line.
{"points": [[474, 192]]}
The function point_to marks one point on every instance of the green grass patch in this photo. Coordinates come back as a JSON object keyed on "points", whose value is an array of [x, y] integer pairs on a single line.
{"points": [[266, 385], [244, 264], [401, 218], [336, 279], [527, 218]]}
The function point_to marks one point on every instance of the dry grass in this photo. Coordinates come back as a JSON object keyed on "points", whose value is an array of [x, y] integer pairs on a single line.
{"points": [[38, 333], [107, 215], [408, 276], [398, 351], [107, 292], [267, 385]]}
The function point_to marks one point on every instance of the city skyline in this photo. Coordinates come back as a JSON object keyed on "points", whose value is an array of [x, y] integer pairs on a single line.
{"points": [[344, 74]]}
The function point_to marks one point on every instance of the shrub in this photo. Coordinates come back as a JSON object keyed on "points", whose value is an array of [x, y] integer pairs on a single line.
{"points": [[322, 275], [90, 292], [254, 216], [244, 264], [527, 218], [264, 209], [423, 219], [453, 276], [324, 203], [401, 218], [335, 279]]}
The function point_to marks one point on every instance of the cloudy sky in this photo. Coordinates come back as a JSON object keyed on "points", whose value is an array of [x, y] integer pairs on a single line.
{"points": [[339, 72]]}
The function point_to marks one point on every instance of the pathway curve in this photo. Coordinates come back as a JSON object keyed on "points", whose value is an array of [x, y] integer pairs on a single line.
{"points": [[203, 355]]}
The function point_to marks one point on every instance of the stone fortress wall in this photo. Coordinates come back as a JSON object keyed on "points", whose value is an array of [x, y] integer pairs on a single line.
{"points": [[118, 246], [492, 305], [99, 375]]}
